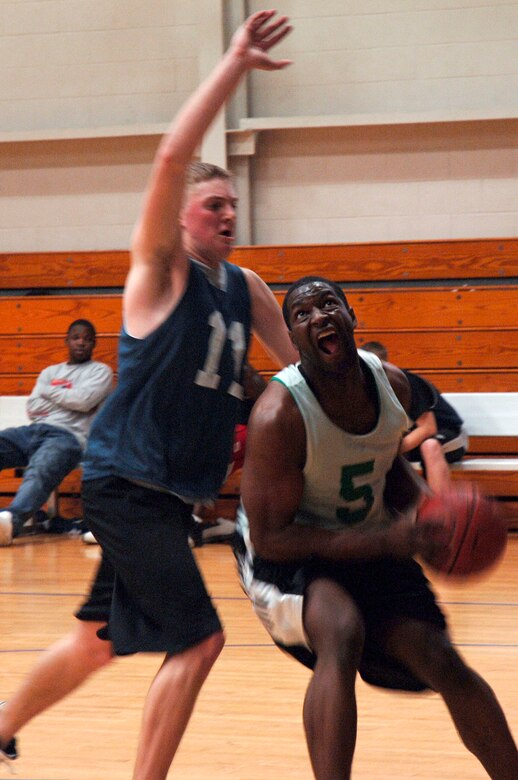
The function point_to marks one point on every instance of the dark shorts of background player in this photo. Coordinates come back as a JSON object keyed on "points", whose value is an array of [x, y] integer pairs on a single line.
{"points": [[148, 587], [384, 591]]}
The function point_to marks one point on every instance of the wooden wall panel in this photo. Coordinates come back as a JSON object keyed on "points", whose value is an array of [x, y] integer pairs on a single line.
{"points": [[465, 306], [459, 337], [493, 482], [17, 384], [459, 334], [9, 482], [474, 381], [448, 349], [470, 381], [407, 308], [53, 314], [63, 269], [437, 349], [387, 261], [31, 354], [448, 307], [493, 445]]}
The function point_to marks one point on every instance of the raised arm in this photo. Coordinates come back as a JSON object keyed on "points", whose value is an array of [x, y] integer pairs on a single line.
{"points": [[268, 323], [158, 269]]}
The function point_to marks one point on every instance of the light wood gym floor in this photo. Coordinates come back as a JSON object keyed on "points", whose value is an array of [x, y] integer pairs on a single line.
{"points": [[247, 724]]}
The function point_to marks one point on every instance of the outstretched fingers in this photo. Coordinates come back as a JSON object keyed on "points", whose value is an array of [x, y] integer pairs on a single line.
{"points": [[269, 36], [265, 37], [260, 33]]}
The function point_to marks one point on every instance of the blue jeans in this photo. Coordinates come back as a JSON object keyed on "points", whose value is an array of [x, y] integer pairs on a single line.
{"points": [[47, 453]]}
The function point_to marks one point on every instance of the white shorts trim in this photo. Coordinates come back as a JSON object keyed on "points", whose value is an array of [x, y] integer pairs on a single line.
{"points": [[280, 613]]}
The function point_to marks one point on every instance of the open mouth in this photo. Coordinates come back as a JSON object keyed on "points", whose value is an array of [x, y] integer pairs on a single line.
{"points": [[227, 234], [328, 343]]}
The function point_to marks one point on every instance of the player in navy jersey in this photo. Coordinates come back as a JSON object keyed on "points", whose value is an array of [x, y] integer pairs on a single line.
{"points": [[164, 440]]}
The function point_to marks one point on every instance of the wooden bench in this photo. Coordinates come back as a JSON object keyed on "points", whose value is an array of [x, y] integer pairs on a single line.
{"points": [[381, 261], [445, 309], [461, 338], [491, 421]]}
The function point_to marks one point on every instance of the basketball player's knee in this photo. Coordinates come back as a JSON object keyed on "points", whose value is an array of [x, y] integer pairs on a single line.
{"points": [[346, 640], [216, 644], [208, 651], [445, 668], [95, 652]]}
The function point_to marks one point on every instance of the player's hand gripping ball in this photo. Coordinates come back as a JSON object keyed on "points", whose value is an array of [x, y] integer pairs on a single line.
{"points": [[478, 533]]}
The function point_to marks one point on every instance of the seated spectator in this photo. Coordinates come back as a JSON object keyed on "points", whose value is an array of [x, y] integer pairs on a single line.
{"points": [[437, 436], [61, 408]]}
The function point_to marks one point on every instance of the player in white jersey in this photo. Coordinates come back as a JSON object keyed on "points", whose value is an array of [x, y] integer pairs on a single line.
{"points": [[326, 540]]}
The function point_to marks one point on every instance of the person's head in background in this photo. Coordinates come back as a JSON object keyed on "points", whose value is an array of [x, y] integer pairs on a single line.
{"points": [[80, 340], [377, 348]]}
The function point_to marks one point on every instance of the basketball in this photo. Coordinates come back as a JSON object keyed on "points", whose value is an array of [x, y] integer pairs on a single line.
{"points": [[478, 533]]}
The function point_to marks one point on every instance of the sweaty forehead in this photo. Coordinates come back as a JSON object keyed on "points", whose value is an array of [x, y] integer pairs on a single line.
{"points": [[213, 188], [309, 290]]}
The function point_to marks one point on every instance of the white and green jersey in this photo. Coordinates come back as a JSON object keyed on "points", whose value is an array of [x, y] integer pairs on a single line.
{"points": [[344, 473]]}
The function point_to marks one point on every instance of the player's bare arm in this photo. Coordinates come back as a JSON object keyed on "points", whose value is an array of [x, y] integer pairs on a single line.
{"points": [[399, 384], [426, 423], [272, 486], [404, 488], [426, 426], [159, 266], [268, 323]]}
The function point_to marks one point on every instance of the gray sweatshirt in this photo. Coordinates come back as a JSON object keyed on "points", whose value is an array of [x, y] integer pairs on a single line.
{"points": [[68, 395]]}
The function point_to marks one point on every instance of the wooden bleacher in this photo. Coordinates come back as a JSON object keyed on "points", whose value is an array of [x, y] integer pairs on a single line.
{"points": [[445, 309]]}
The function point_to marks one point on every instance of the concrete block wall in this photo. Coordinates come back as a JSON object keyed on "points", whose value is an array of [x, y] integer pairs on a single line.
{"points": [[97, 64], [94, 63], [379, 57]]}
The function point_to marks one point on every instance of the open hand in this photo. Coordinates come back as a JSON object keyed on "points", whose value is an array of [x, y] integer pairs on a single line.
{"points": [[255, 38], [405, 538]]}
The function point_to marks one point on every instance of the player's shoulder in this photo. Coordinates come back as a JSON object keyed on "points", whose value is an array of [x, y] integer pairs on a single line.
{"points": [[276, 424], [275, 407], [399, 384]]}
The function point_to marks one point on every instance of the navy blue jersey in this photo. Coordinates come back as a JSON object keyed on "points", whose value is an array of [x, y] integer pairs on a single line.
{"points": [[171, 419]]}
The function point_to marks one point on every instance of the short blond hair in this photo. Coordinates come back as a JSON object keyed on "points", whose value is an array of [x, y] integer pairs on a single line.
{"points": [[201, 171]]}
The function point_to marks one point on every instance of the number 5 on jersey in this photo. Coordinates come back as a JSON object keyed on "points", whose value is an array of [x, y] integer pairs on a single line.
{"points": [[351, 492]]}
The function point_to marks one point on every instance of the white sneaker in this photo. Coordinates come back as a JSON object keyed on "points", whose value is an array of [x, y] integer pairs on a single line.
{"points": [[222, 531], [6, 528], [89, 538], [195, 536]]}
